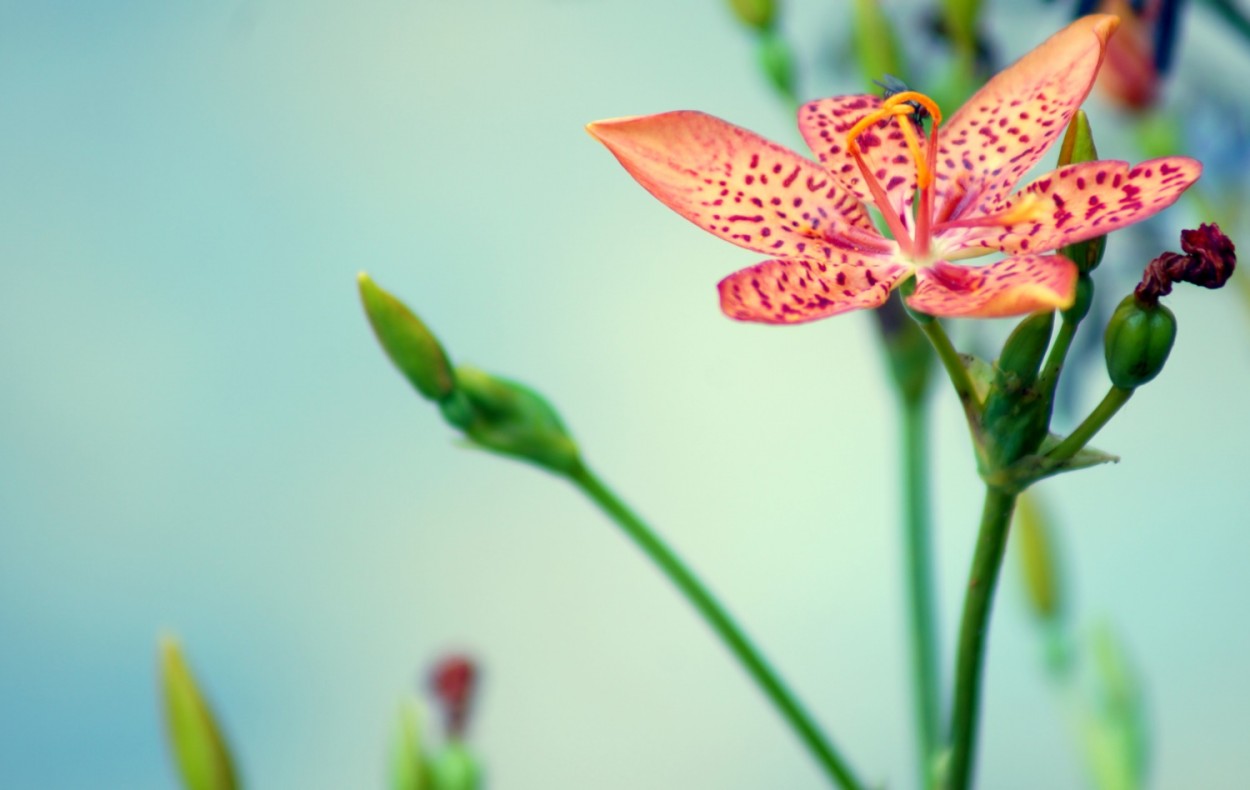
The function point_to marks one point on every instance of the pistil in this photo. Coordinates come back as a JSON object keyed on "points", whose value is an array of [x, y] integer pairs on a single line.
{"points": [[899, 107]]}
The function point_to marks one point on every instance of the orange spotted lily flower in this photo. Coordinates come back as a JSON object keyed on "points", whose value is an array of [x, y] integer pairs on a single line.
{"points": [[944, 197]]}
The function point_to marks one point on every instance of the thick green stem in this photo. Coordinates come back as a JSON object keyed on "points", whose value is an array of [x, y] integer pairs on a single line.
{"points": [[725, 627], [973, 630], [1115, 398], [919, 575]]}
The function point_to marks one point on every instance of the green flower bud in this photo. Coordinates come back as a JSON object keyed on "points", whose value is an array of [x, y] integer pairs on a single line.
{"points": [[410, 345], [876, 45], [409, 770], [200, 750], [455, 769], [1024, 350], [1138, 341], [1078, 146], [513, 420], [777, 62], [758, 14], [1017, 413], [1042, 582]]}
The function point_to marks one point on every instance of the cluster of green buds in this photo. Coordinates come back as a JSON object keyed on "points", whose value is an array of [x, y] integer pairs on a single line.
{"points": [[494, 413]]}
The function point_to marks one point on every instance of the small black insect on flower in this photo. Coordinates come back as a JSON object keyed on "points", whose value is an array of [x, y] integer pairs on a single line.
{"points": [[891, 85]]}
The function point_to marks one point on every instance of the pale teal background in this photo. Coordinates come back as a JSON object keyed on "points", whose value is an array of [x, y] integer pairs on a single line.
{"points": [[198, 433]]}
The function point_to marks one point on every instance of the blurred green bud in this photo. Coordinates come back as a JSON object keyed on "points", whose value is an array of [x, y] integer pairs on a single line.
{"points": [[512, 419], [777, 62], [758, 14], [410, 345], [876, 45], [1138, 341], [409, 769], [1078, 146], [961, 18], [455, 769], [1118, 740], [200, 750], [1034, 539]]}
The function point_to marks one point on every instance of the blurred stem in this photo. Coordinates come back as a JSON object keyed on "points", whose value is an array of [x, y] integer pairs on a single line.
{"points": [[973, 630], [919, 575], [723, 624], [1115, 398]]}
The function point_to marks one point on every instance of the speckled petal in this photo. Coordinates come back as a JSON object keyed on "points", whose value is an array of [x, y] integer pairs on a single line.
{"points": [[1085, 200], [1004, 129], [1013, 286], [824, 124], [791, 292], [736, 184]]}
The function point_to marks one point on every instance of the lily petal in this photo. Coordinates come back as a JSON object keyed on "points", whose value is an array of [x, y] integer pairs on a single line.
{"points": [[735, 184], [791, 292], [824, 124], [1006, 127], [1085, 200], [1013, 286]]}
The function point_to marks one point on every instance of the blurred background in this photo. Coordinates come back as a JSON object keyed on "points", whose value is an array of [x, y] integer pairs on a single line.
{"points": [[201, 435]]}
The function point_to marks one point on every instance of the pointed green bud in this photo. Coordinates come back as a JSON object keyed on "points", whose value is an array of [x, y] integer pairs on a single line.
{"points": [[1138, 341], [1024, 351], [410, 345], [200, 750], [777, 62], [1078, 146], [1038, 561], [456, 769], [876, 45], [757, 14], [1017, 413], [409, 769], [511, 419]]}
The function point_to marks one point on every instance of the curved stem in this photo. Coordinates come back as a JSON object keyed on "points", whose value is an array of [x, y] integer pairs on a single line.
{"points": [[723, 624], [973, 630], [1104, 411], [951, 361], [1058, 355], [919, 575]]}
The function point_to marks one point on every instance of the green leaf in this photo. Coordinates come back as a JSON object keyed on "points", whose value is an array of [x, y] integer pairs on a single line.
{"points": [[200, 751]]}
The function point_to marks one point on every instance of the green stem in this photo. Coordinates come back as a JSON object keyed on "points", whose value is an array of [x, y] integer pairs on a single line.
{"points": [[724, 626], [917, 526], [952, 362], [973, 630], [1104, 411], [1058, 355]]}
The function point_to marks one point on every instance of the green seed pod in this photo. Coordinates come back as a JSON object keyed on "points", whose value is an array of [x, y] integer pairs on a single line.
{"points": [[1138, 341], [410, 345], [200, 750], [758, 14]]}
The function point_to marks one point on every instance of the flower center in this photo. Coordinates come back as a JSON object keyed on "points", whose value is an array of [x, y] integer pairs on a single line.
{"points": [[901, 107]]}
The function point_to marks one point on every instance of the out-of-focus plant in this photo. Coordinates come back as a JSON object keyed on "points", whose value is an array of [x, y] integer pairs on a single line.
{"points": [[200, 750]]}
